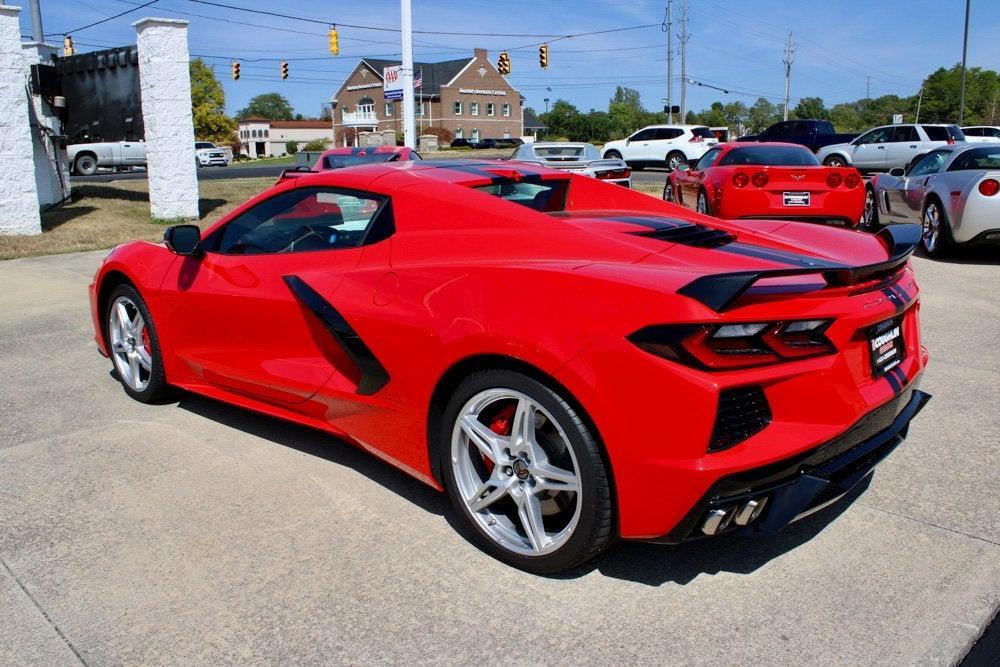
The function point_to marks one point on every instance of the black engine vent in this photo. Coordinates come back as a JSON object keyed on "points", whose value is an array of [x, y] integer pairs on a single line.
{"points": [[742, 413], [691, 234]]}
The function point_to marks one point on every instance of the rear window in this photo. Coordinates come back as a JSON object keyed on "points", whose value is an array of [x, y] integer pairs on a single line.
{"points": [[977, 158], [557, 153], [825, 127], [943, 132], [703, 132], [346, 160], [546, 196], [775, 156]]}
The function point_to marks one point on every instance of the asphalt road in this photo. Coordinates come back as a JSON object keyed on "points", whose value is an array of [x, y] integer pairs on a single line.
{"points": [[198, 533]]}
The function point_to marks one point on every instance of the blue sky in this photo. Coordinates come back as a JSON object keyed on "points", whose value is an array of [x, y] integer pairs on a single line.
{"points": [[734, 45]]}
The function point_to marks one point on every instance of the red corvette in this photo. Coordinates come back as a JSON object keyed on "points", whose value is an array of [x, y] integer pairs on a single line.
{"points": [[571, 361], [771, 181]]}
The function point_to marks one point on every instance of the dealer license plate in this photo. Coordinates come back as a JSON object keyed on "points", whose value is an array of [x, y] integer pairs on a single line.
{"points": [[796, 198], [885, 342]]}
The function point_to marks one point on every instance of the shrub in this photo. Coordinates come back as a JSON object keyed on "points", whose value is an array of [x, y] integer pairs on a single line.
{"points": [[317, 145], [292, 147], [241, 157], [443, 134]]}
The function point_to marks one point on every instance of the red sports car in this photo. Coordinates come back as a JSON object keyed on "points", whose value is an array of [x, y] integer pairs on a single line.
{"points": [[771, 181], [571, 361]]}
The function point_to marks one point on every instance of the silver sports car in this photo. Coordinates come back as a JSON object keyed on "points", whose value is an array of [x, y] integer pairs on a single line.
{"points": [[952, 191], [580, 158]]}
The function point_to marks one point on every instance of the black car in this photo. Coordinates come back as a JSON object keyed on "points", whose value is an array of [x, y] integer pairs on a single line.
{"points": [[487, 143], [461, 143]]}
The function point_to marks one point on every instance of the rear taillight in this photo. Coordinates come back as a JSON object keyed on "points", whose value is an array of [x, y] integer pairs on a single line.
{"points": [[834, 180], [759, 179], [740, 179], [731, 346], [989, 187], [852, 180], [616, 174]]}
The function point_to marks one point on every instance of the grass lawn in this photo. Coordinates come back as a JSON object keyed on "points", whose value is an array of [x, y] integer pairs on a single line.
{"points": [[106, 214]]}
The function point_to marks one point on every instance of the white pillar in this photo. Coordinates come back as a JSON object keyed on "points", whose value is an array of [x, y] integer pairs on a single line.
{"points": [[51, 165], [165, 87], [406, 74], [18, 192]]}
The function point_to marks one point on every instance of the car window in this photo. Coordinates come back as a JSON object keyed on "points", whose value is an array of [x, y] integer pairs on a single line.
{"points": [[548, 195], [203, 144], [973, 131], [642, 135], [337, 161], [777, 156], [666, 133], [879, 135], [702, 132], [708, 159], [306, 219], [905, 133], [929, 164], [991, 132], [987, 157], [800, 127], [779, 129], [943, 132]]}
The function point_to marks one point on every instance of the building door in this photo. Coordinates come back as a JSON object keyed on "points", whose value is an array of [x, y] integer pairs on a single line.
{"points": [[261, 149]]}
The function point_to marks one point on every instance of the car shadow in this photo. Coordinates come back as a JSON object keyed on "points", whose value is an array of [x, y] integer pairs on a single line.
{"points": [[986, 255], [638, 562], [206, 206]]}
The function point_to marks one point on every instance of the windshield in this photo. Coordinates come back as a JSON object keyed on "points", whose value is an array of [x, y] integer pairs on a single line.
{"points": [[348, 160], [775, 156], [977, 158], [547, 196]]}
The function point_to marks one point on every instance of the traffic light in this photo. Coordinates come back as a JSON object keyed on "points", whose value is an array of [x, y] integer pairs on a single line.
{"points": [[236, 70], [67, 45], [543, 55], [284, 70], [503, 63], [334, 41]]}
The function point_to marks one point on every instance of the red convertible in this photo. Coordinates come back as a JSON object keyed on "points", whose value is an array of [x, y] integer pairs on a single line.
{"points": [[768, 181], [571, 361]]}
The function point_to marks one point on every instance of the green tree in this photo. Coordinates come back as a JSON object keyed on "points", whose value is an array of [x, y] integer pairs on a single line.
{"points": [[811, 108], [761, 115], [208, 106], [272, 106], [737, 115], [941, 93], [563, 120]]}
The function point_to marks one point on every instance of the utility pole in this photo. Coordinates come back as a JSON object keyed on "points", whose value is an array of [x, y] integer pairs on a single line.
{"points": [[406, 74], [36, 22], [668, 26], [965, 51], [789, 59], [868, 87], [684, 37], [919, 102]]}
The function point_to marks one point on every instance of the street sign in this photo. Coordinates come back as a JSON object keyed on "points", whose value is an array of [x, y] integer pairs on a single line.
{"points": [[392, 86], [897, 118]]}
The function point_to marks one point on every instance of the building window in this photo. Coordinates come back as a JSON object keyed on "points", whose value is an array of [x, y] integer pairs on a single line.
{"points": [[458, 133], [475, 134], [388, 109], [491, 109], [255, 134], [474, 108], [267, 133], [458, 108], [506, 109], [422, 109]]}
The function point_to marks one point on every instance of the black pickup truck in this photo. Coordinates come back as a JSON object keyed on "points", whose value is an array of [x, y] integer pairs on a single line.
{"points": [[813, 134]]}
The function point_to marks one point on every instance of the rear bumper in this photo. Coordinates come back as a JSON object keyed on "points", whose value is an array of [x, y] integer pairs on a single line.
{"points": [[798, 486], [837, 220]]}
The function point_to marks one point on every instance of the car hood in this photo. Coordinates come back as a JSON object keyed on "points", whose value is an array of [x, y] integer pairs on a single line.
{"points": [[833, 147]]}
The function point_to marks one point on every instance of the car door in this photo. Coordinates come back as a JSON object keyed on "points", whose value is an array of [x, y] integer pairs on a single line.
{"points": [[904, 146], [247, 313], [637, 147], [692, 179], [869, 149], [133, 153], [905, 198]]}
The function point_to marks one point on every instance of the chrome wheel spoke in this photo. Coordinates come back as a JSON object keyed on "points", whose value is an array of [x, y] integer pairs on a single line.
{"points": [[551, 478], [529, 510], [488, 442], [144, 359], [491, 491], [522, 434]]}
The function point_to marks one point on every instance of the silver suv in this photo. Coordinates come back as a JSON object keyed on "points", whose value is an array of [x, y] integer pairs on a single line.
{"points": [[890, 146]]}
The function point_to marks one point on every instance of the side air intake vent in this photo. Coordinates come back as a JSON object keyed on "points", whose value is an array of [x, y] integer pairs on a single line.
{"points": [[691, 234], [742, 413]]}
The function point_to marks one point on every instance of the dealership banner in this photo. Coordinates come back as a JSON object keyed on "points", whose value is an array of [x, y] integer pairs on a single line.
{"points": [[392, 86]]}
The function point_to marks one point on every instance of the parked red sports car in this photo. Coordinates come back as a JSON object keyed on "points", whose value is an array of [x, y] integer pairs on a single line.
{"points": [[570, 360], [771, 181]]}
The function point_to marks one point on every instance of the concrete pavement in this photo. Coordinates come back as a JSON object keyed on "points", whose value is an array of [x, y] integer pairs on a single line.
{"points": [[196, 533]]}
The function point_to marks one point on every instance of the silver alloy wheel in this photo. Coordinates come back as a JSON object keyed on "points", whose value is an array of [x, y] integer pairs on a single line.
{"points": [[130, 346], [931, 227], [869, 215], [674, 161], [668, 192], [702, 205], [836, 161], [508, 482]]}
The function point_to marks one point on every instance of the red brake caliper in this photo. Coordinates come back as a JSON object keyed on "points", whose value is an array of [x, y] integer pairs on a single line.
{"points": [[501, 425], [145, 341]]}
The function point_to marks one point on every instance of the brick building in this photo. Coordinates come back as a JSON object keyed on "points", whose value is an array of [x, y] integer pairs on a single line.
{"points": [[467, 96]]}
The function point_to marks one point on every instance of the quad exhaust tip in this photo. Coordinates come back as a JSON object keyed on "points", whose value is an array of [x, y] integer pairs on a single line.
{"points": [[721, 518]]}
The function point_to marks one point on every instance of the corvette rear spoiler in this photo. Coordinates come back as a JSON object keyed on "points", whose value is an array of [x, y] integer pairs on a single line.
{"points": [[721, 290]]}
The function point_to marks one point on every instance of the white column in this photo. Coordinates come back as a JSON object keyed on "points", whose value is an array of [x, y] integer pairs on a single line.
{"points": [[165, 87], [18, 192], [406, 74], [51, 165]]}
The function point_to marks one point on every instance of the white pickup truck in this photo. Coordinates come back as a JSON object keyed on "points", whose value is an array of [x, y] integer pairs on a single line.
{"points": [[84, 159]]}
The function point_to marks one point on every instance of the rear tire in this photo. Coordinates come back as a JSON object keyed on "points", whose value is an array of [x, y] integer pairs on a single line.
{"points": [[703, 206], [836, 161], [869, 219], [668, 191], [675, 159], [85, 165], [935, 231], [524, 473], [612, 155]]}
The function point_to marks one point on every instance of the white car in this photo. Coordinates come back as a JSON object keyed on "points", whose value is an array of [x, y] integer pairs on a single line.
{"points": [[981, 133], [208, 154], [889, 147], [662, 146], [580, 158]]}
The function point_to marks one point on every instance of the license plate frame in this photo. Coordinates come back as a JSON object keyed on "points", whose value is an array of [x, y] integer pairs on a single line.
{"points": [[796, 199], [886, 347]]}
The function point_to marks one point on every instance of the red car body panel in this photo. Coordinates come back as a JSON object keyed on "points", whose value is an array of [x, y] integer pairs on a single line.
{"points": [[467, 276], [842, 204]]}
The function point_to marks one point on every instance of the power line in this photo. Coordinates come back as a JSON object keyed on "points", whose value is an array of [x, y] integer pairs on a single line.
{"points": [[104, 20]]}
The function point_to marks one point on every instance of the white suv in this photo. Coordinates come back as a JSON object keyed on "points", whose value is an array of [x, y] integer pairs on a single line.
{"points": [[981, 133], [662, 145], [208, 154]]}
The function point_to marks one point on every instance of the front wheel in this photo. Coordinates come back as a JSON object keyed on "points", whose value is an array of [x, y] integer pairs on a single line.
{"points": [[134, 346], [86, 165], [835, 161], [935, 235], [524, 473], [869, 219]]}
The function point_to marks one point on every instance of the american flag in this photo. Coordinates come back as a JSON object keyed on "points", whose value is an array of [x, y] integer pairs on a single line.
{"points": [[418, 78]]}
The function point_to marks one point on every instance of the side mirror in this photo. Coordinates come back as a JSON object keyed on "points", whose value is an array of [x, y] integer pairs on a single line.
{"points": [[183, 239], [897, 172], [683, 166], [628, 140]]}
